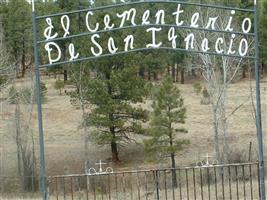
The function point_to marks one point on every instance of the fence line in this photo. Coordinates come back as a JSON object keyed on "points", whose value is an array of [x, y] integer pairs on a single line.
{"points": [[229, 182]]}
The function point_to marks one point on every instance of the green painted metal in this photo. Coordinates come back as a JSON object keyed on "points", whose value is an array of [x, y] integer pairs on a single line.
{"points": [[146, 2], [258, 107], [144, 26], [39, 107], [255, 58], [140, 50]]}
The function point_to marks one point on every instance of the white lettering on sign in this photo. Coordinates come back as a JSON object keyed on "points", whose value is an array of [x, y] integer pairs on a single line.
{"points": [[100, 50], [129, 40], [177, 15], [127, 15], [65, 23], [88, 24], [145, 17], [194, 20], [218, 44], [205, 45], [189, 41], [229, 24], [230, 43], [73, 54], [49, 50], [107, 23], [246, 25], [160, 17], [111, 46], [172, 37], [211, 23], [153, 30], [48, 31], [243, 47]]}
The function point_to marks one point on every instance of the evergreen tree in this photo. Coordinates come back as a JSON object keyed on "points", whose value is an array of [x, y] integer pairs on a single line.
{"points": [[168, 112], [263, 33], [115, 114], [17, 27]]}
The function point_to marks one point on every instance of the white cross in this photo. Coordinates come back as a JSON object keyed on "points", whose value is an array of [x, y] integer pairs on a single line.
{"points": [[100, 166], [207, 159]]}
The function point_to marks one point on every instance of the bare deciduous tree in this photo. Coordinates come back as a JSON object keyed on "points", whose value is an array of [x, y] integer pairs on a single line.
{"points": [[218, 72]]}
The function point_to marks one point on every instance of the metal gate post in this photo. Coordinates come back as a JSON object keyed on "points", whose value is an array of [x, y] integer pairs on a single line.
{"points": [[39, 104], [258, 103]]}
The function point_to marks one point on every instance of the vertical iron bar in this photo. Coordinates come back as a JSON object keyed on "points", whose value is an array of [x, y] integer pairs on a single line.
{"points": [[56, 189], [87, 186], [187, 186], [173, 189], [165, 185], [108, 186], [124, 190], [230, 180], [215, 180], [180, 186], [201, 184], [222, 175], [39, 107], [237, 187], [156, 183], [64, 189], [138, 186], [251, 183], [146, 186], [258, 102], [208, 173], [101, 186], [194, 184], [131, 186], [116, 185], [71, 188], [258, 176], [244, 182], [94, 177]]}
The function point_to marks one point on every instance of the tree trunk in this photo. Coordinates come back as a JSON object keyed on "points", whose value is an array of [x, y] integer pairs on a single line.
{"points": [[216, 134], [177, 73], [182, 76], [141, 72], [114, 150], [174, 180], [173, 74], [194, 73], [23, 65], [244, 75], [155, 76], [65, 75], [262, 69], [149, 74]]}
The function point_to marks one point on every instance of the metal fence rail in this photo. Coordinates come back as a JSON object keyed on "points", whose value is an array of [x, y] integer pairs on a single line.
{"points": [[235, 181]]}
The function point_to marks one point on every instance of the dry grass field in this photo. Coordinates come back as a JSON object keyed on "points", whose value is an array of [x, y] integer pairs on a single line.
{"points": [[64, 138]]}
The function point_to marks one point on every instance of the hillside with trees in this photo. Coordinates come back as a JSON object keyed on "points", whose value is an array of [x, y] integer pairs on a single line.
{"points": [[140, 110]]}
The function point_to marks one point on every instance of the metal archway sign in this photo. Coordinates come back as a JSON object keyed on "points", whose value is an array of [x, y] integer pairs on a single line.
{"points": [[125, 17]]}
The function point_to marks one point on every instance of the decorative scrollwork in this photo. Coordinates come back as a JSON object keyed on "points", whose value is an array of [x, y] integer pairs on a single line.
{"points": [[93, 171], [207, 162]]}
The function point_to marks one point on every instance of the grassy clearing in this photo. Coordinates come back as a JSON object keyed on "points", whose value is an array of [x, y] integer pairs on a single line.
{"points": [[64, 139]]}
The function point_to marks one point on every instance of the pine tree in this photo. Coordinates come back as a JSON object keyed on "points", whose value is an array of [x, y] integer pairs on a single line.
{"points": [[168, 112], [115, 114], [263, 34], [17, 27]]}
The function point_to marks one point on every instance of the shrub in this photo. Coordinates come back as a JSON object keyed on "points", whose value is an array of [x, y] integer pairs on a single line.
{"points": [[25, 95], [205, 97], [197, 87], [59, 85]]}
